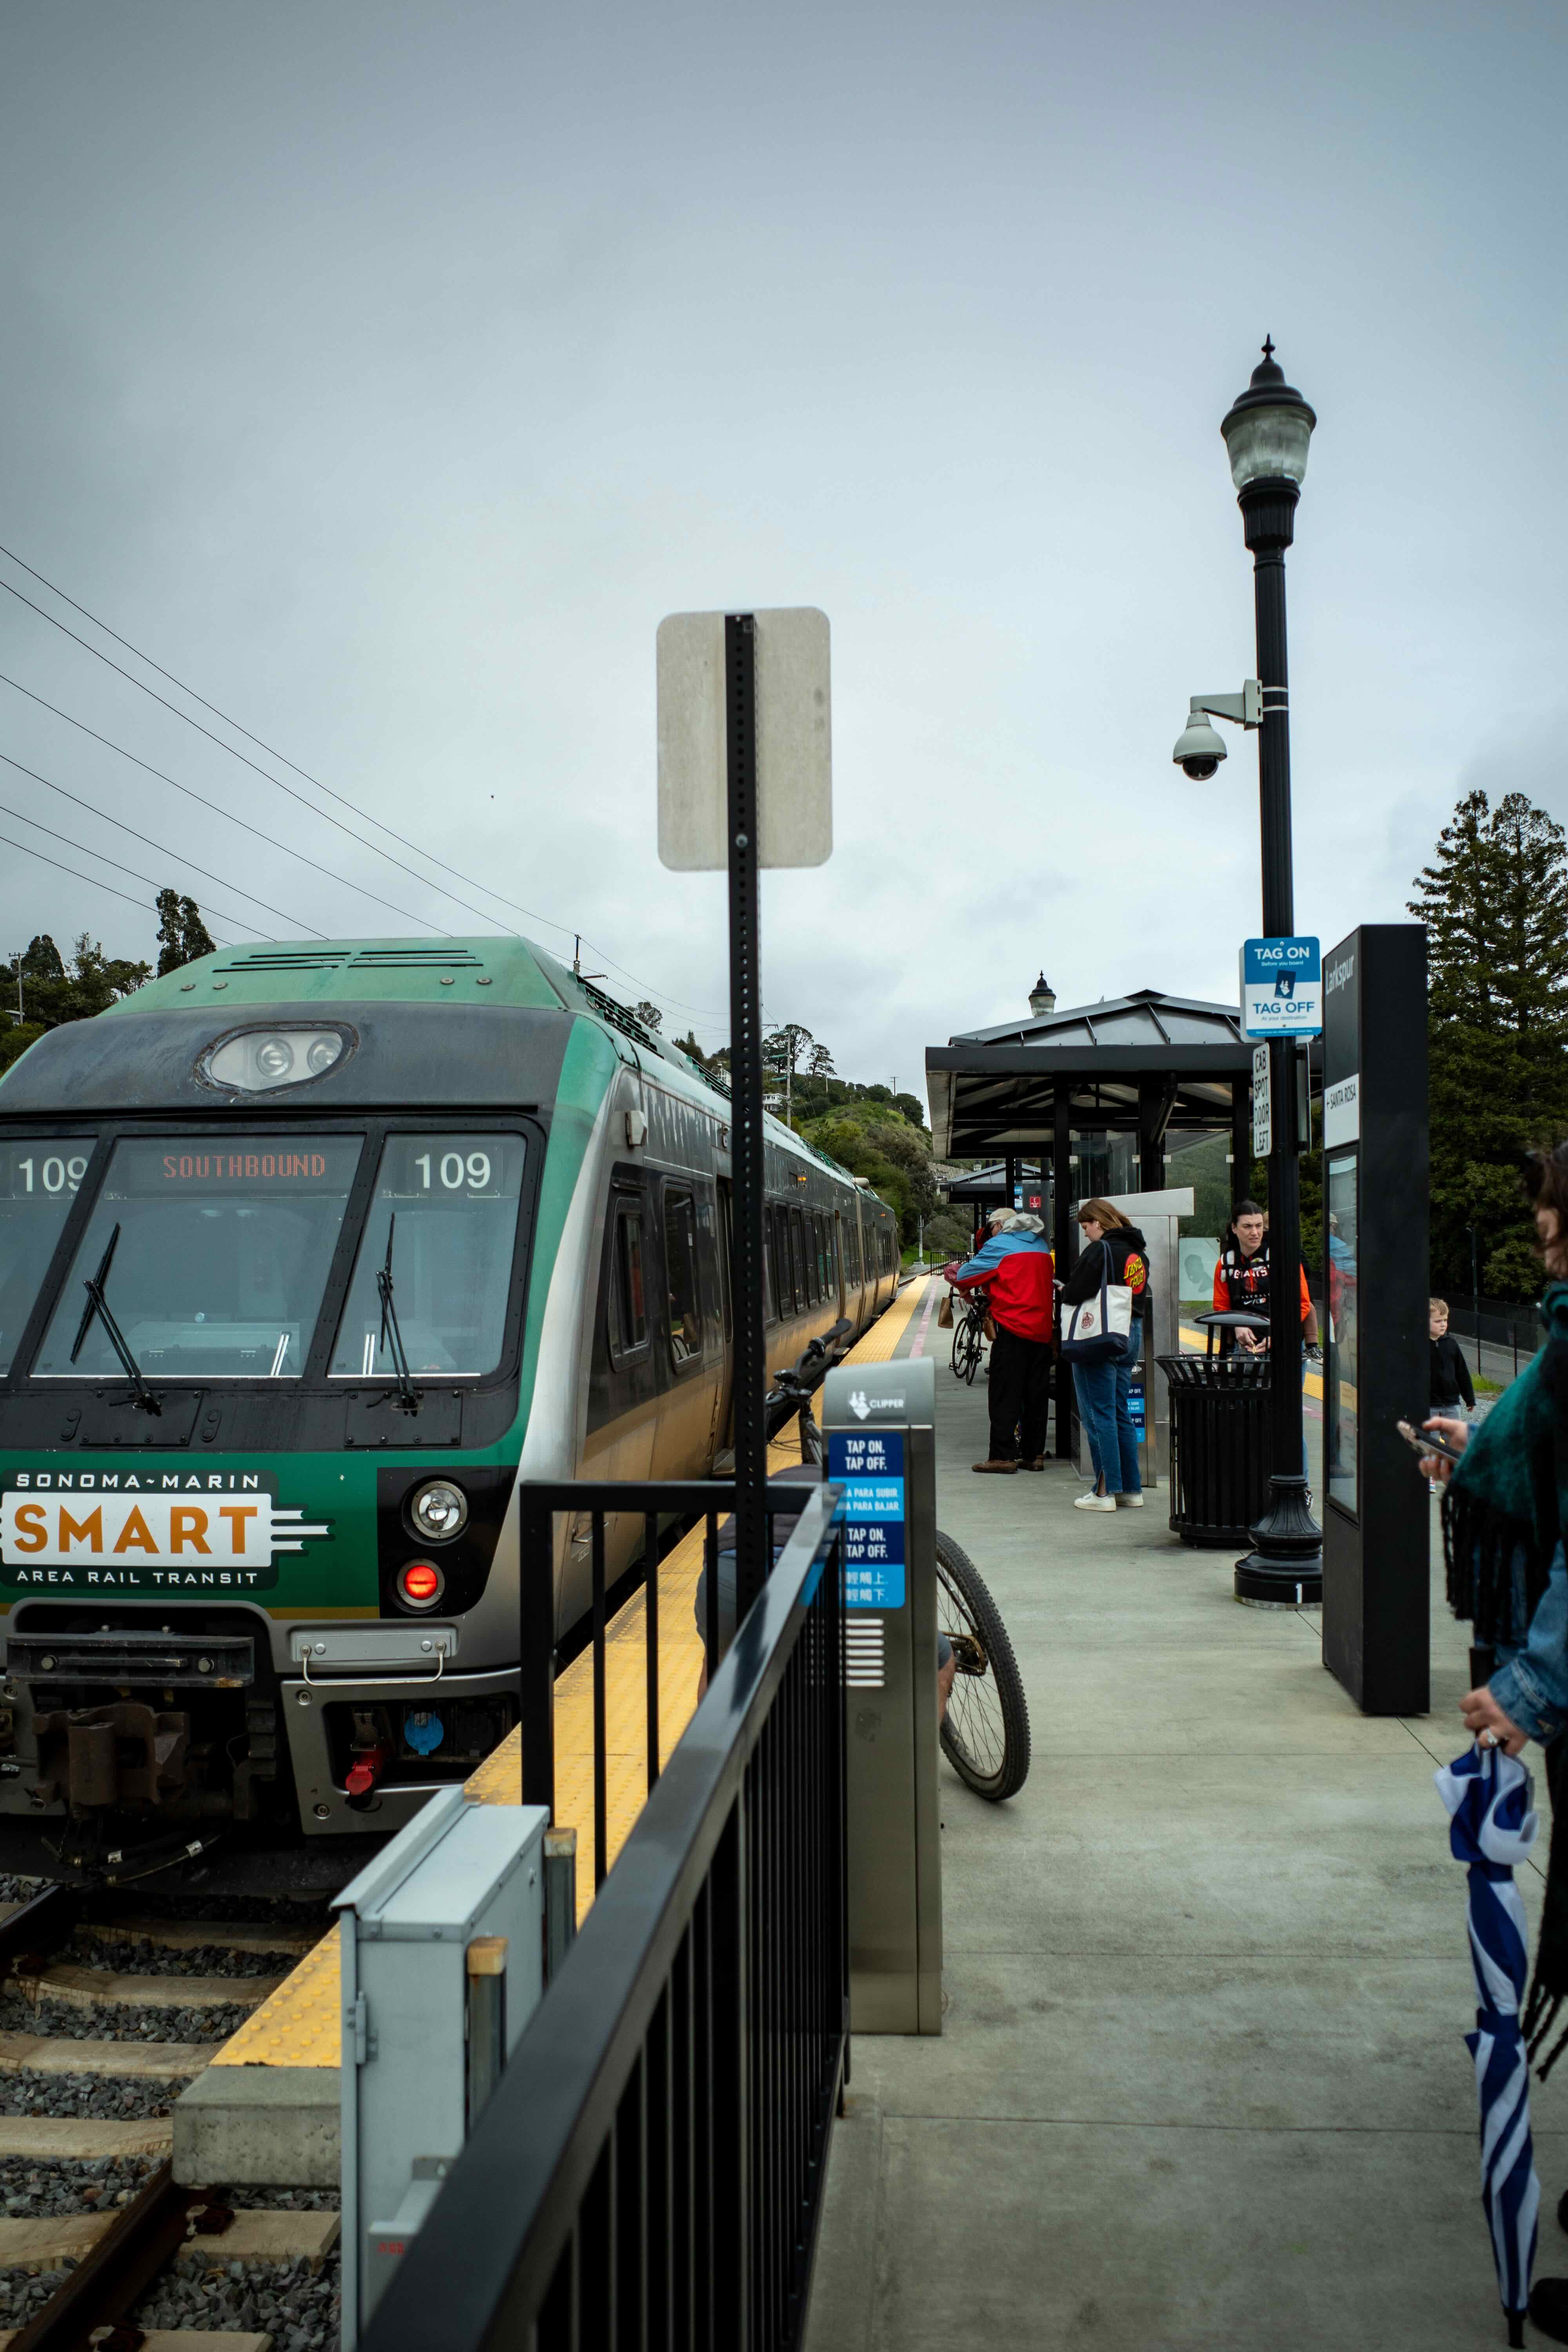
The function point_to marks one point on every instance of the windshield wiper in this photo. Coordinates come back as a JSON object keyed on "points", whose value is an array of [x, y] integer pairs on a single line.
{"points": [[409, 1398], [142, 1396]]}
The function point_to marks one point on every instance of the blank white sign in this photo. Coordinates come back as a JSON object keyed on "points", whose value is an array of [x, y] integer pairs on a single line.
{"points": [[795, 741]]}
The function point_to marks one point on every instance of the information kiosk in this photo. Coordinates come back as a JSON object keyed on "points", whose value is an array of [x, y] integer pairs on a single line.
{"points": [[1375, 1511]]}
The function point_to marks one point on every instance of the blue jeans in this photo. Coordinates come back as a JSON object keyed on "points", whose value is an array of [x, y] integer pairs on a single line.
{"points": [[1102, 1391], [1530, 1683]]}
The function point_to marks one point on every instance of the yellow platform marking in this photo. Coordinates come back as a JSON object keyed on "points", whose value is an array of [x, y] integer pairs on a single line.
{"points": [[299, 2025]]}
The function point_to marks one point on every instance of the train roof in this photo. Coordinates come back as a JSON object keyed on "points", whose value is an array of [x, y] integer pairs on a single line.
{"points": [[481, 970]]}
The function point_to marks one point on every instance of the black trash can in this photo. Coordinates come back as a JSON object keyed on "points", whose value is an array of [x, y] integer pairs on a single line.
{"points": [[1221, 1443]]}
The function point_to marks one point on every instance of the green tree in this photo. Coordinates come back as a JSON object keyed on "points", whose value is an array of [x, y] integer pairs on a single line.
{"points": [[1495, 902], [182, 934], [693, 1051]]}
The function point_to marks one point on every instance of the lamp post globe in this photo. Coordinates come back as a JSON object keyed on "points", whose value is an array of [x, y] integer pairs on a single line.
{"points": [[1267, 431]]}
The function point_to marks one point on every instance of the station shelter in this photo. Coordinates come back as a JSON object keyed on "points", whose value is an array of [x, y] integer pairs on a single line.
{"points": [[1091, 1100]]}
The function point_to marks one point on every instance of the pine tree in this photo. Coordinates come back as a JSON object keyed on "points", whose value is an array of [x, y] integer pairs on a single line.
{"points": [[182, 934], [1495, 903]]}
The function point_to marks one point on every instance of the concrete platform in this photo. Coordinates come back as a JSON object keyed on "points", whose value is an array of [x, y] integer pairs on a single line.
{"points": [[1201, 2081]]}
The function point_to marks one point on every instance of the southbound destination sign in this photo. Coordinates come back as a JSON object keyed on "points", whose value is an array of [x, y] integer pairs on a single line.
{"points": [[121, 1532]]}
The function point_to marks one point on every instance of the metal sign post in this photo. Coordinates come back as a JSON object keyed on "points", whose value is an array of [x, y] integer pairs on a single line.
{"points": [[745, 781], [746, 1088]]}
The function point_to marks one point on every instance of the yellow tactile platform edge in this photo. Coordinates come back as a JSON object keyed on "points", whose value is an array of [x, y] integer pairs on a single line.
{"points": [[299, 2025]]}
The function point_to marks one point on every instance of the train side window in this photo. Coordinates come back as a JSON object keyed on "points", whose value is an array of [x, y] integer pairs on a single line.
{"points": [[771, 1253], [828, 1259], [680, 1275], [629, 1291], [823, 1284], [797, 1253]]}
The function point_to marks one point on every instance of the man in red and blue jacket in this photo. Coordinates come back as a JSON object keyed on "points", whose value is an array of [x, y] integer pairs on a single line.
{"points": [[1015, 1270]]}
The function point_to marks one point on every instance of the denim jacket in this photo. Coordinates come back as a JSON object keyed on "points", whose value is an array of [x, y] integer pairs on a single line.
{"points": [[1532, 1685]]}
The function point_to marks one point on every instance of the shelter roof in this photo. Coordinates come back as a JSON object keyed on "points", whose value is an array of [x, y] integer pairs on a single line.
{"points": [[1176, 1060]]}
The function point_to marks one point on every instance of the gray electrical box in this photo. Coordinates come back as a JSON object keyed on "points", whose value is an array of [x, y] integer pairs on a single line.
{"points": [[443, 1940], [880, 1421]]}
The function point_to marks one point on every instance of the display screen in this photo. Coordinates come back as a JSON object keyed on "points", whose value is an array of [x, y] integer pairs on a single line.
{"points": [[221, 1261], [448, 1204], [1339, 1354], [39, 1178]]}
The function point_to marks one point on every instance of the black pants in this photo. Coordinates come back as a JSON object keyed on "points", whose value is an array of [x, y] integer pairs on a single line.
{"points": [[1020, 1391]]}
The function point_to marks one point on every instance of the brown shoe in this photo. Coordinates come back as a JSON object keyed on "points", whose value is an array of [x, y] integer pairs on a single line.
{"points": [[1004, 1469], [1038, 1464]]}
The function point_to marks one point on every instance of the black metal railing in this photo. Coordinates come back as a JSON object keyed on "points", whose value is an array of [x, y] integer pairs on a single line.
{"points": [[657, 1502], [648, 2172]]}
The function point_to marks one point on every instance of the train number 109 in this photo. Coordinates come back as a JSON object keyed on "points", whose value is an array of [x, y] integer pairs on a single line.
{"points": [[455, 1173], [53, 1175]]}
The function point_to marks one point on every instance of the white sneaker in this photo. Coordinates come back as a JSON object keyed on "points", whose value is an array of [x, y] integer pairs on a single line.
{"points": [[1094, 1503], [1131, 1502]]}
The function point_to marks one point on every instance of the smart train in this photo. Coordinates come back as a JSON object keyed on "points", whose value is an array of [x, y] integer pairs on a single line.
{"points": [[309, 1253]]}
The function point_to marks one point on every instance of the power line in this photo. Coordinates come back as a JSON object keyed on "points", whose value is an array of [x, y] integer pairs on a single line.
{"points": [[162, 847], [92, 879], [704, 1013], [327, 818], [217, 807], [82, 850]]}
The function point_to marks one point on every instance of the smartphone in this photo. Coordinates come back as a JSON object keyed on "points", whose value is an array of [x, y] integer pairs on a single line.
{"points": [[1421, 1441]]}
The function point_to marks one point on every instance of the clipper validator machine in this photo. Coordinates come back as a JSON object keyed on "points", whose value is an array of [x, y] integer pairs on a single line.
{"points": [[879, 1423]]}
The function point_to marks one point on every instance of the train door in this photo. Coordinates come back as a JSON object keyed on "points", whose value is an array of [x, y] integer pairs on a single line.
{"points": [[835, 1244]]}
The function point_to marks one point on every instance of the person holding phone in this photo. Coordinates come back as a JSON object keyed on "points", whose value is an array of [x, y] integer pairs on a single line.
{"points": [[1505, 1510]]}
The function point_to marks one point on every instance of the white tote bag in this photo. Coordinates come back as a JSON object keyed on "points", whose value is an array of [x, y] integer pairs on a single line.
{"points": [[1098, 1329]]}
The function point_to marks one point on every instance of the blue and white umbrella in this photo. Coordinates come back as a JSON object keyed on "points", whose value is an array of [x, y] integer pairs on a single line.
{"points": [[1490, 1800]]}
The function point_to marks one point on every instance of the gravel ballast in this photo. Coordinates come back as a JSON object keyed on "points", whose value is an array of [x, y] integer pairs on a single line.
{"points": [[297, 2306], [21, 2295], [120, 2022], [146, 1958], [106, 2098], [32, 2191]]}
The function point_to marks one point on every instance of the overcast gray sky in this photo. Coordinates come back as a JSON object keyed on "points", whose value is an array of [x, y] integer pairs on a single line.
{"points": [[386, 371]]}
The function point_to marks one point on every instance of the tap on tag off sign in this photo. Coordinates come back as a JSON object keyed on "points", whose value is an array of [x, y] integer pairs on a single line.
{"points": [[1281, 988]]}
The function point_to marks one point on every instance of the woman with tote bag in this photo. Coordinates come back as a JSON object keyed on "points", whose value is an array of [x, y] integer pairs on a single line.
{"points": [[1102, 1303]]}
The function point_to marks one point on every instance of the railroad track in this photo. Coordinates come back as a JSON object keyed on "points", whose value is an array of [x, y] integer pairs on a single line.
{"points": [[106, 2013]]}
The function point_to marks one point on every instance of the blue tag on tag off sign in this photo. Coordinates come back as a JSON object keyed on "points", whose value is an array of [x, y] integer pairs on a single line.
{"points": [[869, 1465]]}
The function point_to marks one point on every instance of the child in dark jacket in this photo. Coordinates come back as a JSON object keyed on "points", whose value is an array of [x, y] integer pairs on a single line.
{"points": [[1450, 1381]]}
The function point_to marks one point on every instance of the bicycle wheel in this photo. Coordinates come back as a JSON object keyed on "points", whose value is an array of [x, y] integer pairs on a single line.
{"points": [[965, 1349], [986, 1731]]}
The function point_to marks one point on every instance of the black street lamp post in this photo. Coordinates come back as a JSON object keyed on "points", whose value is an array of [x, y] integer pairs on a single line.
{"points": [[1267, 433]]}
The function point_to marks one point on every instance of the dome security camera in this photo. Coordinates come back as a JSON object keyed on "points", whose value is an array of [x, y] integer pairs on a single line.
{"points": [[1199, 749]]}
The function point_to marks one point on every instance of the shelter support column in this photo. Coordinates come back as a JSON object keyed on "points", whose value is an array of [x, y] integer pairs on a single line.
{"points": [[1062, 1243]]}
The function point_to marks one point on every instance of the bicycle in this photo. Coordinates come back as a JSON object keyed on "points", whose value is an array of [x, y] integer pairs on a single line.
{"points": [[984, 1727], [968, 1337]]}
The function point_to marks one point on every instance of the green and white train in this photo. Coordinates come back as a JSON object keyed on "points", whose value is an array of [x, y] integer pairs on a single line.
{"points": [[308, 1254]]}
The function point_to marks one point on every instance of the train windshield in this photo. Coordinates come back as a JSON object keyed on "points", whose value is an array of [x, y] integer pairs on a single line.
{"points": [[442, 1225], [220, 1257], [39, 1178]]}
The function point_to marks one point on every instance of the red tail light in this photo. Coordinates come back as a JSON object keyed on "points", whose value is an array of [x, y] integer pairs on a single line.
{"points": [[420, 1584]]}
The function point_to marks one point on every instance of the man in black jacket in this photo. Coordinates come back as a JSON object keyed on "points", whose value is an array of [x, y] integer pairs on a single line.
{"points": [[1451, 1384]]}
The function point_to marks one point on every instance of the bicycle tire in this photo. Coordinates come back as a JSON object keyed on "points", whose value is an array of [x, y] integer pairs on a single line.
{"points": [[966, 1351], [986, 1731]]}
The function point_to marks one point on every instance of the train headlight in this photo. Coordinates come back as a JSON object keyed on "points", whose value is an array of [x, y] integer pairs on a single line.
{"points": [[275, 1059], [439, 1510], [420, 1584], [324, 1051]]}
